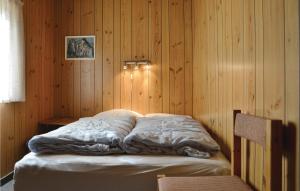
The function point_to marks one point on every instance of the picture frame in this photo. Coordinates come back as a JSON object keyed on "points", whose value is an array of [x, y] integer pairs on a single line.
{"points": [[80, 47]]}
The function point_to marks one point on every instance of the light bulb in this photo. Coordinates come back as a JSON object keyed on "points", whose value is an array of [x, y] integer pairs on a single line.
{"points": [[147, 66], [136, 67]]}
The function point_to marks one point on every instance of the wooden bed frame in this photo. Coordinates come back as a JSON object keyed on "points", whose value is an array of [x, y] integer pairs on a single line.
{"points": [[268, 134]]}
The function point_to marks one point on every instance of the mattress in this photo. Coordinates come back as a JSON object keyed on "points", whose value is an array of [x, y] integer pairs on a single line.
{"points": [[109, 173]]}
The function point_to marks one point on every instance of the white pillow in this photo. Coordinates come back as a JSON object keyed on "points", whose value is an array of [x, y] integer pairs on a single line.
{"points": [[118, 113], [165, 115]]}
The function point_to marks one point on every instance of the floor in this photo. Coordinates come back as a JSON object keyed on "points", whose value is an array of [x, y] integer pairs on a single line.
{"points": [[7, 187]]}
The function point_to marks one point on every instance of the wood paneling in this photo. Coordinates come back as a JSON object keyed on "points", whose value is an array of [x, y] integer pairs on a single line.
{"points": [[124, 30], [19, 120], [236, 54], [246, 56]]}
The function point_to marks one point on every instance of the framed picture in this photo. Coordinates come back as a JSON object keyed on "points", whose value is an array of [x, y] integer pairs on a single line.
{"points": [[80, 47]]}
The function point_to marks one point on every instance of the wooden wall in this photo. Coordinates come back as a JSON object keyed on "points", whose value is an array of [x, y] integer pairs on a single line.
{"points": [[236, 54], [246, 56], [158, 30], [18, 121]]}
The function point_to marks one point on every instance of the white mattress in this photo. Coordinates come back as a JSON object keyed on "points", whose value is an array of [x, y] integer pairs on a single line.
{"points": [[108, 173]]}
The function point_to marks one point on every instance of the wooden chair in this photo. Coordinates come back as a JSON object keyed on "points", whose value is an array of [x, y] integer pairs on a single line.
{"points": [[265, 132]]}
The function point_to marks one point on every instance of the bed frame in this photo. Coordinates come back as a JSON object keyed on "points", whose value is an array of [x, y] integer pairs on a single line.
{"points": [[268, 134]]}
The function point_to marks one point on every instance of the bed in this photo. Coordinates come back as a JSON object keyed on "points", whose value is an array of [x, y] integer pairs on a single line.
{"points": [[119, 150], [109, 173]]}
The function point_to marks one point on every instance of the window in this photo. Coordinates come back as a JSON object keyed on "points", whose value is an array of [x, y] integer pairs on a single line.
{"points": [[12, 59]]}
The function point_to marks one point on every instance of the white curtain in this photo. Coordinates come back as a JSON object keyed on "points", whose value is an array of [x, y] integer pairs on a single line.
{"points": [[12, 58]]}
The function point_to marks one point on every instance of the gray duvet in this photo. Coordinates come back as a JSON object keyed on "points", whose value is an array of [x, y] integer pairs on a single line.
{"points": [[88, 136], [170, 135]]}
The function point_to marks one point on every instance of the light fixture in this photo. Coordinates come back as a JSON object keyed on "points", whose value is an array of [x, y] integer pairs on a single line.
{"points": [[136, 63]]}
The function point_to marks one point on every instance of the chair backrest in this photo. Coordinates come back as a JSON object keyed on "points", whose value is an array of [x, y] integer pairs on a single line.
{"points": [[268, 134]]}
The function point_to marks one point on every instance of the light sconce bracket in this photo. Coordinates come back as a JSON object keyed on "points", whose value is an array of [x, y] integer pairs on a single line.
{"points": [[136, 63]]}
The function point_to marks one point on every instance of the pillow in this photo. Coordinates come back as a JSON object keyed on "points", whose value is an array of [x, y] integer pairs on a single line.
{"points": [[118, 113], [165, 115]]}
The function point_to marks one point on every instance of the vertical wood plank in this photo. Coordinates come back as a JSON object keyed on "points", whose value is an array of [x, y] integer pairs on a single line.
{"points": [[171, 52], [108, 54], [200, 56], [117, 54], [212, 65], [57, 57], [238, 64], [2, 142], [9, 119], [228, 75], [77, 65], [292, 92], [238, 44], [259, 85], [126, 84], [7, 138], [8, 122], [20, 130], [177, 45], [42, 107], [33, 67], [155, 55], [249, 55], [87, 67], [221, 126], [249, 71], [165, 56], [99, 56], [140, 46], [188, 58], [274, 58], [67, 66], [46, 107], [140, 26]]}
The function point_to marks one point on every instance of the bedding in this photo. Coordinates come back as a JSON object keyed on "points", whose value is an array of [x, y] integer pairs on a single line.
{"points": [[36, 172], [170, 134], [99, 135]]}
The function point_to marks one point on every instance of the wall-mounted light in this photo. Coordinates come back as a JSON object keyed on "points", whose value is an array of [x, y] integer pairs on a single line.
{"points": [[136, 64]]}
